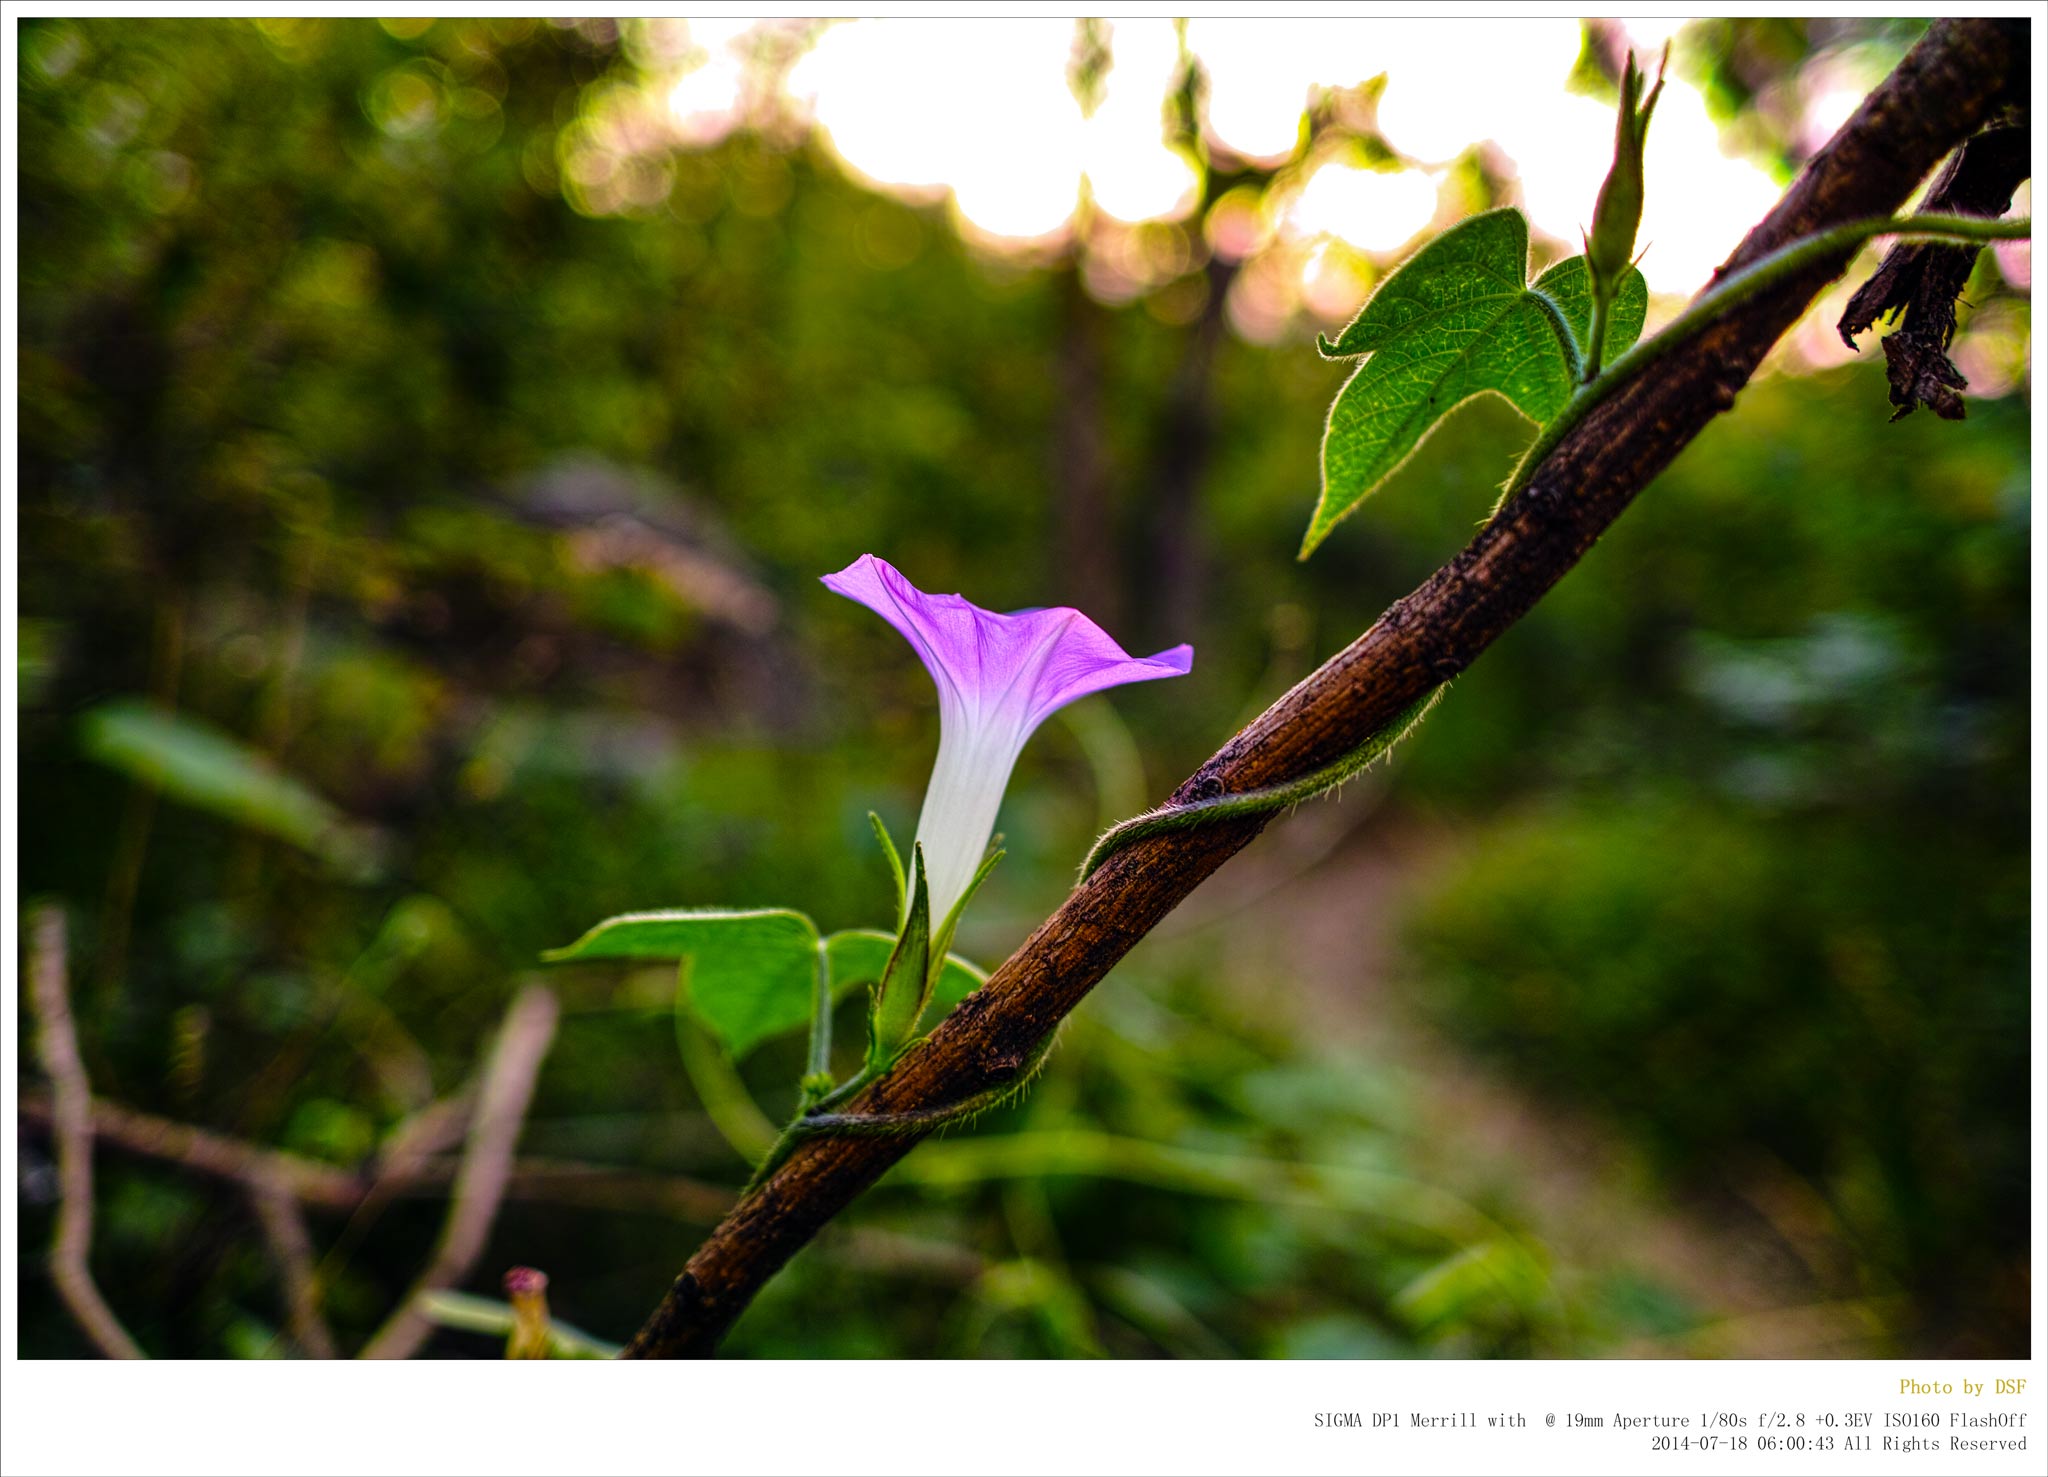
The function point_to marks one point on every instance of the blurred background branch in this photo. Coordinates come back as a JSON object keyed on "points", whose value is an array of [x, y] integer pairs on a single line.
{"points": [[49, 988], [330, 1187], [503, 1093], [291, 1247]]}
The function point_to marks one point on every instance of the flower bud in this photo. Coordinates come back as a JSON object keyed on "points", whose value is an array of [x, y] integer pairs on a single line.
{"points": [[527, 1287], [1619, 211]]}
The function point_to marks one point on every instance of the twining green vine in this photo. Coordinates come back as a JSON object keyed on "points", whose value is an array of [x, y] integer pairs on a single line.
{"points": [[1169, 818], [1738, 287]]}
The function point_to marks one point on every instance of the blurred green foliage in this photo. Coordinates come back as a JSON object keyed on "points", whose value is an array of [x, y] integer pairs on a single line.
{"points": [[1780, 907], [495, 525], [188, 761]]}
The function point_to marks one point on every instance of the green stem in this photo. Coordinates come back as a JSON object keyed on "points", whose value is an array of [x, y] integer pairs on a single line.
{"points": [[818, 1064], [1759, 276], [1261, 801], [1560, 325], [922, 1120], [726, 1101], [845, 1089], [811, 1119], [1596, 341], [802, 1126]]}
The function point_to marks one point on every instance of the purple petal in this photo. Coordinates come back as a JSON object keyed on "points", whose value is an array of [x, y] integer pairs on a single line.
{"points": [[1026, 665]]}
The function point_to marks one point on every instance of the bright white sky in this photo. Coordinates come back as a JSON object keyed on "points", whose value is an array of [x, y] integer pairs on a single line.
{"points": [[981, 114], [983, 108]]}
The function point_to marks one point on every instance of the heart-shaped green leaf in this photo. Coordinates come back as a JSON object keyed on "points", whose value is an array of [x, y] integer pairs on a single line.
{"points": [[748, 974], [1457, 319]]}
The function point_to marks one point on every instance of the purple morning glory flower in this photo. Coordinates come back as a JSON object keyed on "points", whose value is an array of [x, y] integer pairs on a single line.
{"points": [[999, 677]]}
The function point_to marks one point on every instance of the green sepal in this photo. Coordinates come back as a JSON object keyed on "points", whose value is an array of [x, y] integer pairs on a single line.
{"points": [[857, 956], [944, 941], [895, 1004], [890, 853]]}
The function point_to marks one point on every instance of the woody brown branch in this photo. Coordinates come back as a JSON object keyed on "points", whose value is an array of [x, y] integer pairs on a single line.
{"points": [[1958, 74]]}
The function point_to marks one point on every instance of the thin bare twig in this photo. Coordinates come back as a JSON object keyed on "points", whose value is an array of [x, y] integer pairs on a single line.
{"points": [[501, 1104], [605, 1187], [291, 1247], [326, 1187], [71, 1129], [212, 1154], [279, 1184], [411, 1146], [434, 1129]]}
